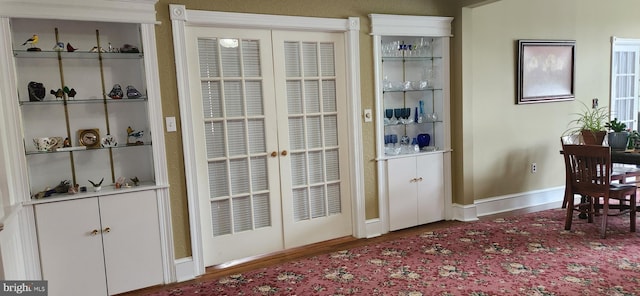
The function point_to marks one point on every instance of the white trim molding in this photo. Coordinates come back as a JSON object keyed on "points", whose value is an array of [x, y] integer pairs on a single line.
{"points": [[182, 17]]}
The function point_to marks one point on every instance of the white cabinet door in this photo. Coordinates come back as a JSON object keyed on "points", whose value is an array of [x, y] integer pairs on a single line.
{"points": [[71, 247], [416, 190], [403, 193], [131, 238], [430, 184]]}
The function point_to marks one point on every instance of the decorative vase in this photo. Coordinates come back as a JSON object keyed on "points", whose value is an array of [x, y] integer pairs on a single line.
{"points": [[618, 140], [593, 138]]}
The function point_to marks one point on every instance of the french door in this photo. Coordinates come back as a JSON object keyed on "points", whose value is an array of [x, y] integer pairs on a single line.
{"points": [[270, 133]]}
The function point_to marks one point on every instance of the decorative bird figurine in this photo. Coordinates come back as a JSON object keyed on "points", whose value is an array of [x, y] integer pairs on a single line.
{"points": [[32, 41], [59, 46], [71, 93], [131, 133], [70, 48], [133, 93], [116, 92], [58, 93]]}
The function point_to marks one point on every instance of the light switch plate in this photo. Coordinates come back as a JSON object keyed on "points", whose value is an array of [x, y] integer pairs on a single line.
{"points": [[171, 124], [367, 115]]}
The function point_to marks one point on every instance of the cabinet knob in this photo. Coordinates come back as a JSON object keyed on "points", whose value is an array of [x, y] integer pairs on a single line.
{"points": [[274, 154], [107, 230], [412, 180], [419, 179], [284, 153], [94, 232]]}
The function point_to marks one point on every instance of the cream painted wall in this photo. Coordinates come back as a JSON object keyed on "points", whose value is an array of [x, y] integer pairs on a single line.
{"points": [[504, 137]]}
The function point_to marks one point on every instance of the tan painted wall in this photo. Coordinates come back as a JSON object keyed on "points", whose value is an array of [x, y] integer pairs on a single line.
{"points": [[501, 139], [326, 8]]}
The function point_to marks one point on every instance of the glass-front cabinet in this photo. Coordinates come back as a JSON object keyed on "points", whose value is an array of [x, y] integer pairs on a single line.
{"points": [[82, 124], [412, 122]]}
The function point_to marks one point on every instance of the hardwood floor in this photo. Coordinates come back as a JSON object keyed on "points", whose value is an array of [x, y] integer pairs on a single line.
{"points": [[248, 264]]}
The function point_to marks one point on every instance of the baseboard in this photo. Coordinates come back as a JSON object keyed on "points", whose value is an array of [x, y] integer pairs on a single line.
{"points": [[374, 228], [465, 213], [185, 270], [542, 199]]}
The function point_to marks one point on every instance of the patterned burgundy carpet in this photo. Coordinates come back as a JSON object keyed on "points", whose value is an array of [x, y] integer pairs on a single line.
{"points": [[525, 255]]}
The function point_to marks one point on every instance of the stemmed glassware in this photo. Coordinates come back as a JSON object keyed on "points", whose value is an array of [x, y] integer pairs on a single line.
{"points": [[398, 113], [388, 114]]}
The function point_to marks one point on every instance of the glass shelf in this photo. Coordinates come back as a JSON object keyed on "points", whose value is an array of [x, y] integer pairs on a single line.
{"points": [[88, 149], [402, 59], [411, 123], [75, 55], [82, 101], [410, 90]]}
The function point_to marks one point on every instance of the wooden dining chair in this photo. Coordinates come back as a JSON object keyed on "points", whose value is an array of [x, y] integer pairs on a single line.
{"points": [[588, 171], [618, 174]]}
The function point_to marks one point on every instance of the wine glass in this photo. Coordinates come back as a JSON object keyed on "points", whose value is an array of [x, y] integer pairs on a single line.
{"points": [[398, 113], [407, 115], [388, 113]]}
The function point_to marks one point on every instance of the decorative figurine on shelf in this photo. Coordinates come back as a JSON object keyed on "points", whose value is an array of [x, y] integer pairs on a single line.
{"points": [[119, 183], [36, 91], [74, 189], [62, 187], [112, 49], [66, 143], [116, 92], [96, 186], [135, 181], [131, 133], [95, 49], [58, 93], [71, 93], [133, 93], [70, 48], [32, 41], [59, 46], [128, 48]]}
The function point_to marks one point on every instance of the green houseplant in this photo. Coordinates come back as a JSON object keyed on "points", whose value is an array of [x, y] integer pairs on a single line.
{"points": [[618, 135], [591, 123]]}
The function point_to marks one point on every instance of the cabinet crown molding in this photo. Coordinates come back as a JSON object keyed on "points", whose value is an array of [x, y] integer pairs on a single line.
{"points": [[130, 11], [407, 25]]}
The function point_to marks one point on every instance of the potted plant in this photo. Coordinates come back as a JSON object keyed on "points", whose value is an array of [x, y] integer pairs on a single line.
{"points": [[618, 134], [591, 124]]}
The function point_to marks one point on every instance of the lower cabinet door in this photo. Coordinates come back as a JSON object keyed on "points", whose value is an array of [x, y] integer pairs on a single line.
{"points": [[430, 172], [71, 247], [401, 181], [131, 238]]}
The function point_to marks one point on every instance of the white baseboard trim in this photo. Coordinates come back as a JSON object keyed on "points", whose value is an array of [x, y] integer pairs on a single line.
{"points": [[544, 198], [465, 213], [374, 228], [184, 269]]}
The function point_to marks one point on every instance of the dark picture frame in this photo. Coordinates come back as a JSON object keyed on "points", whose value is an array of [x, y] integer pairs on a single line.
{"points": [[546, 71]]}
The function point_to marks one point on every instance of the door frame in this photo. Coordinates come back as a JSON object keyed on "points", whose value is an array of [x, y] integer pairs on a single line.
{"points": [[182, 17]]}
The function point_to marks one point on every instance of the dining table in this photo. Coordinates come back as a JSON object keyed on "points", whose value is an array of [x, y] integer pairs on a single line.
{"points": [[625, 156]]}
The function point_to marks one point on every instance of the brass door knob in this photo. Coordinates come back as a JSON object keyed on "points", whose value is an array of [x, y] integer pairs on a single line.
{"points": [[274, 154], [107, 230], [94, 232], [284, 153]]}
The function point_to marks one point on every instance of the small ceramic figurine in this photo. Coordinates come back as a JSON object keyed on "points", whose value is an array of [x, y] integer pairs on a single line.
{"points": [[70, 48], [131, 133], [32, 41], [96, 186], [66, 143], [128, 48], [58, 93], [95, 49], [36, 91], [116, 92], [133, 93], [135, 181], [71, 93], [59, 46]]}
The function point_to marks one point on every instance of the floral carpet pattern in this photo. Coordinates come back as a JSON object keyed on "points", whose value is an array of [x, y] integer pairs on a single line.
{"points": [[530, 254]]}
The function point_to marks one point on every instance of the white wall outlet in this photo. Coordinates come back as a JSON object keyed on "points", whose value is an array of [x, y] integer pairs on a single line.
{"points": [[171, 124], [368, 116], [534, 167]]}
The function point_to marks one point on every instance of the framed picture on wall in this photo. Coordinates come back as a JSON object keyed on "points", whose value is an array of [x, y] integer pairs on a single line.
{"points": [[546, 71]]}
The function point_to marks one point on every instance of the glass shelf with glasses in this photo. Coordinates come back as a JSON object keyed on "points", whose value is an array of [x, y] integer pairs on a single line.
{"points": [[75, 55], [83, 148]]}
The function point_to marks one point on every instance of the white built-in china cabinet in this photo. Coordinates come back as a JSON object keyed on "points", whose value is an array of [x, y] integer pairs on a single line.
{"points": [[413, 142], [83, 109]]}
